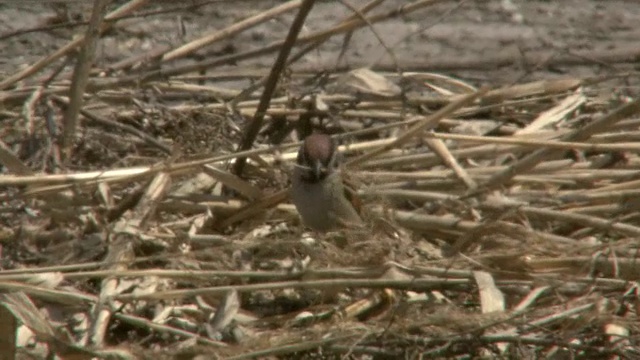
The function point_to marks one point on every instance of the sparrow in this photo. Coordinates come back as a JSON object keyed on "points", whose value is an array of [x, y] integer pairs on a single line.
{"points": [[317, 187]]}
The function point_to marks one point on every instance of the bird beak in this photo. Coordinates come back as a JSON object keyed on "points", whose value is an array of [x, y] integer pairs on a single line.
{"points": [[318, 169]]}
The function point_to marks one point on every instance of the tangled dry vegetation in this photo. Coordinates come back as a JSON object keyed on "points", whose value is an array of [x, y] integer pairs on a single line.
{"points": [[503, 221]]}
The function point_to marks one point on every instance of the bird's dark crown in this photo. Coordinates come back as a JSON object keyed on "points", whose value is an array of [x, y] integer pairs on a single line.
{"points": [[317, 156]]}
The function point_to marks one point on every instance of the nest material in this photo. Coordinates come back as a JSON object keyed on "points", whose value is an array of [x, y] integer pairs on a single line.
{"points": [[503, 220]]}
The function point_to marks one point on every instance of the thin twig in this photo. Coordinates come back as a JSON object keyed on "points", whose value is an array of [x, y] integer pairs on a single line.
{"points": [[84, 62], [253, 127]]}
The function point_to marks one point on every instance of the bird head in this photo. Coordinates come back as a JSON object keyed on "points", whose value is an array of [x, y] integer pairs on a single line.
{"points": [[317, 156]]}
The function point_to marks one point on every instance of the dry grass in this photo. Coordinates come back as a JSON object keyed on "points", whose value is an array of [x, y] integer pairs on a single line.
{"points": [[503, 221]]}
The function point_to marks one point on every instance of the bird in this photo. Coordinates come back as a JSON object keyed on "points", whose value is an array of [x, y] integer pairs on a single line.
{"points": [[318, 190]]}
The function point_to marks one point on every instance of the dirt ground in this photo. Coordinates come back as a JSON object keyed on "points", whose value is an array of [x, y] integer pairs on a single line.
{"points": [[494, 42], [441, 34]]}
